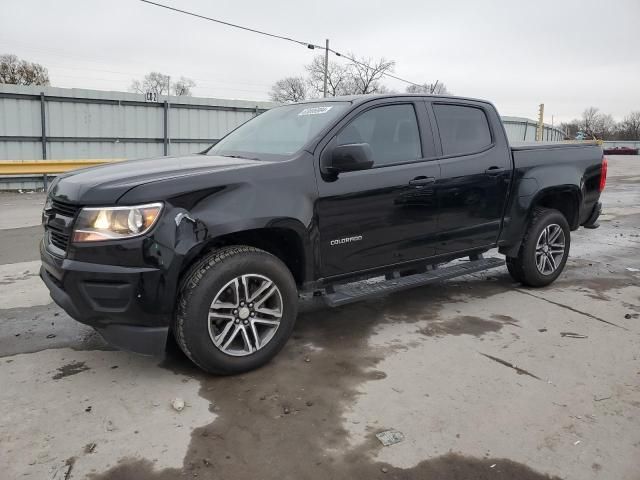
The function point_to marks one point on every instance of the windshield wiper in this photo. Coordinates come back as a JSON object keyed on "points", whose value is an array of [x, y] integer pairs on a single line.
{"points": [[239, 156]]}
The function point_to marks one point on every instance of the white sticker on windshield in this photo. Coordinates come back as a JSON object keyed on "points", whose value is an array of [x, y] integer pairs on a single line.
{"points": [[315, 111]]}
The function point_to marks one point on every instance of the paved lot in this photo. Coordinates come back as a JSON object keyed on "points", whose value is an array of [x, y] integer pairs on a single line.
{"points": [[478, 373]]}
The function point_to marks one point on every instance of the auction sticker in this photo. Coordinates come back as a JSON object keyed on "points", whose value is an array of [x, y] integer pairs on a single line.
{"points": [[315, 111]]}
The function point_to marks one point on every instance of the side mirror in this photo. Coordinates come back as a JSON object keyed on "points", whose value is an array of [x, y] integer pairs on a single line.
{"points": [[349, 158]]}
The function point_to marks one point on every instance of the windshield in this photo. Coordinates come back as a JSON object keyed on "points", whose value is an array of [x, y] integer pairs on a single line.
{"points": [[279, 131]]}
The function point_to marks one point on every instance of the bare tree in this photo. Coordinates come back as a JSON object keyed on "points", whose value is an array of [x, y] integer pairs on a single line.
{"points": [[571, 128], [357, 77], [21, 72], [182, 88], [595, 124], [154, 82], [337, 78], [605, 127], [158, 83], [598, 125], [437, 88], [589, 122], [365, 74], [629, 128], [289, 90], [386, 90]]}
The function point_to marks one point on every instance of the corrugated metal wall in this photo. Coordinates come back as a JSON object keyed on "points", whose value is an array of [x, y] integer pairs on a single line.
{"points": [[84, 124], [521, 129], [95, 124]]}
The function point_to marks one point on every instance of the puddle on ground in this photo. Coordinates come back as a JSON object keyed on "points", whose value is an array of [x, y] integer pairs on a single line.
{"points": [[464, 325], [597, 288], [43, 327], [447, 467], [284, 420], [69, 369]]}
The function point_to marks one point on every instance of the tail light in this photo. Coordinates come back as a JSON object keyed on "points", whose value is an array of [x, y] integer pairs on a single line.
{"points": [[603, 174]]}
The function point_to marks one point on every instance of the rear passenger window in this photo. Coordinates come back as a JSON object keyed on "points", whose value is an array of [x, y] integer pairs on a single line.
{"points": [[390, 131], [462, 129]]}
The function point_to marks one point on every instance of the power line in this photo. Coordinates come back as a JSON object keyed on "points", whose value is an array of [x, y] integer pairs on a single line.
{"points": [[353, 60], [309, 45], [229, 24]]}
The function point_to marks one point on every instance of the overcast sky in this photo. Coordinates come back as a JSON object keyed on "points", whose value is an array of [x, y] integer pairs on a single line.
{"points": [[567, 54]]}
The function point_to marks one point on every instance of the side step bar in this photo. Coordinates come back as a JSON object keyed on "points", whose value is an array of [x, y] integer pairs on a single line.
{"points": [[353, 292]]}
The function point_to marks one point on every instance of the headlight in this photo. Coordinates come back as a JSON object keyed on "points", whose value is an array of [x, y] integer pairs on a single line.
{"points": [[112, 223]]}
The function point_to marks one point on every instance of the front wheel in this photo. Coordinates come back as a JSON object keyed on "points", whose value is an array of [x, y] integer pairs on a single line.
{"points": [[544, 250], [236, 310]]}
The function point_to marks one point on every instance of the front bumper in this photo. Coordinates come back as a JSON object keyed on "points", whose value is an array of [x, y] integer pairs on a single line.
{"points": [[124, 304]]}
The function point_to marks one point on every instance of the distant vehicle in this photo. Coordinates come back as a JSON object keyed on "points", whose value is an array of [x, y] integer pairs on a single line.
{"points": [[621, 151], [215, 248]]}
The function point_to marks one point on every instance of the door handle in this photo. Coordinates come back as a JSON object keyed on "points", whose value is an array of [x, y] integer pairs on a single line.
{"points": [[494, 171], [422, 181]]}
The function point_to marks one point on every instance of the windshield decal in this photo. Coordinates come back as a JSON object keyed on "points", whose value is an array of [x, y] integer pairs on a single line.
{"points": [[315, 111]]}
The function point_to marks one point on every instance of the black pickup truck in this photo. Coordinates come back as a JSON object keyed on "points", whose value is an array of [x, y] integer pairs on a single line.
{"points": [[216, 247]]}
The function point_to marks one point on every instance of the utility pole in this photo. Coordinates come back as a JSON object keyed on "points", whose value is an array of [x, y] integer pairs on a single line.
{"points": [[539, 132], [326, 66]]}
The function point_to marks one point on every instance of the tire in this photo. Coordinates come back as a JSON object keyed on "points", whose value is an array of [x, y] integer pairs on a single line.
{"points": [[221, 277], [526, 267], [514, 269]]}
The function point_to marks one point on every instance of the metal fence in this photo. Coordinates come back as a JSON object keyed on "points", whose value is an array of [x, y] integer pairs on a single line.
{"points": [[521, 129], [59, 123], [47, 123]]}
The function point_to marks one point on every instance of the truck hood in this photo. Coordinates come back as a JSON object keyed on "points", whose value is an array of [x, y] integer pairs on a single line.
{"points": [[105, 184]]}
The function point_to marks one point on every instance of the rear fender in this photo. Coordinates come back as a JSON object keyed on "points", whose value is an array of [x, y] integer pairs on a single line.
{"points": [[530, 191]]}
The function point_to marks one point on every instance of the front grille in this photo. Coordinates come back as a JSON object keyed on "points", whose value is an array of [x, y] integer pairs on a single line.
{"points": [[59, 223], [59, 239], [64, 209]]}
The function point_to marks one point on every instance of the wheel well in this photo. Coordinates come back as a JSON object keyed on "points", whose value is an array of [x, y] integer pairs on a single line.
{"points": [[281, 242], [566, 202]]}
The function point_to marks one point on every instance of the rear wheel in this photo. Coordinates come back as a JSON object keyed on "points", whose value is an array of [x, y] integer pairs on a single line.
{"points": [[237, 308], [544, 250]]}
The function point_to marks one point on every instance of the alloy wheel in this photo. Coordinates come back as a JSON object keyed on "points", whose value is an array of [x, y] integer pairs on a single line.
{"points": [[550, 249], [245, 315]]}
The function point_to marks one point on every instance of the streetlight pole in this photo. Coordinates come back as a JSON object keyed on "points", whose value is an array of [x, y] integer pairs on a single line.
{"points": [[326, 66]]}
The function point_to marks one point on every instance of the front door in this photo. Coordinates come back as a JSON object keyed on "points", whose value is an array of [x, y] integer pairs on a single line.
{"points": [[473, 186], [387, 214]]}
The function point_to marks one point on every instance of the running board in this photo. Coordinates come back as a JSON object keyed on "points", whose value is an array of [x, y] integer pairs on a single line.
{"points": [[353, 292]]}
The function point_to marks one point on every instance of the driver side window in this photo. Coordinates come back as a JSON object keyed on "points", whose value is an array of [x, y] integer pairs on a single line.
{"points": [[391, 132]]}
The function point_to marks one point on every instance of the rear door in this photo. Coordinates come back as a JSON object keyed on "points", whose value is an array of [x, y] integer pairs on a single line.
{"points": [[474, 177], [386, 214]]}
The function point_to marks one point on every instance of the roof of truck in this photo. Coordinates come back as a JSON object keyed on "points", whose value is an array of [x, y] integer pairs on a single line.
{"points": [[358, 99]]}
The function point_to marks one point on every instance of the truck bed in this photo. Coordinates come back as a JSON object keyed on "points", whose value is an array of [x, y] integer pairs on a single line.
{"points": [[551, 145], [575, 157]]}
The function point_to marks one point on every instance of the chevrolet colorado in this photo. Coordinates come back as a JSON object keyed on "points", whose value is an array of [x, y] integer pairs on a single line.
{"points": [[215, 248]]}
